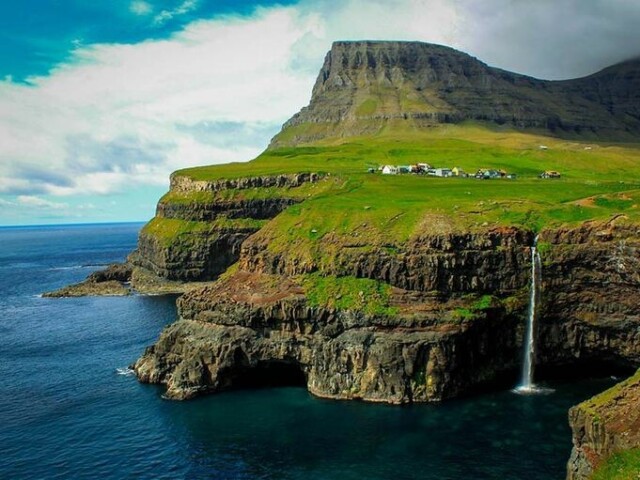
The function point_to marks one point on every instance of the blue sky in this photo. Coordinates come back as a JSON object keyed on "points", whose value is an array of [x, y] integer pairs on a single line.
{"points": [[101, 101]]}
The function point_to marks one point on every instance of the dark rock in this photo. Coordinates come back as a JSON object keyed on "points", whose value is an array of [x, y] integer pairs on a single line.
{"points": [[448, 86]]}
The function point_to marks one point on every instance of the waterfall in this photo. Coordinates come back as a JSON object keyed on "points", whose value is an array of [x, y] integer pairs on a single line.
{"points": [[526, 384]]}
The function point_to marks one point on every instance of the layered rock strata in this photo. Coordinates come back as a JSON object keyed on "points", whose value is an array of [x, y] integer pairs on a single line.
{"points": [[604, 425], [253, 322], [196, 238], [431, 348], [364, 86]]}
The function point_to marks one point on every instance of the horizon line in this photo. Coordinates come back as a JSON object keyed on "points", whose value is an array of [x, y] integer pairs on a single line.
{"points": [[80, 224]]}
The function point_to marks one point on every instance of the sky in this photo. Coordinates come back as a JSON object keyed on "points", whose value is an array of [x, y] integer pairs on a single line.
{"points": [[101, 101]]}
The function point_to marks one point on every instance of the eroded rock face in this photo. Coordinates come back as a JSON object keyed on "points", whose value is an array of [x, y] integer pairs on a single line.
{"points": [[603, 425], [589, 306], [182, 183], [201, 255], [260, 315], [457, 263], [196, 257], [250, 321], [363, 86]]}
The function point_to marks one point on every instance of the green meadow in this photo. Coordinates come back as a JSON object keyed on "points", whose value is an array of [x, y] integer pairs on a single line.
{"points": [[598, 181]]}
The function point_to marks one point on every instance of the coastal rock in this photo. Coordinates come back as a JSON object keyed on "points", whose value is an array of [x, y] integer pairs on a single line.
{"points": [[431, 348], [111, 281], [604, 425], [253, 323]]}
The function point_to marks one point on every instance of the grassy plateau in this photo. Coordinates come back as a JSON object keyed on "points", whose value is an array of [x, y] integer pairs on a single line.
{"points": [[598, 181]]}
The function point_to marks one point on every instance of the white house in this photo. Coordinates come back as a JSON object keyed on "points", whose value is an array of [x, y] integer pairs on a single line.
{"points": [[389, 170], [443, 172]]}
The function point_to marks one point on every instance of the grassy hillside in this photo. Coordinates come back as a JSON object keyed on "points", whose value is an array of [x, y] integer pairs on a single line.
{"points": [[598, 181]]}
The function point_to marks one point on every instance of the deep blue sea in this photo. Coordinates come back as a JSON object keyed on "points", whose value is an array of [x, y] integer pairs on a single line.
{"points": [[68, 411]]}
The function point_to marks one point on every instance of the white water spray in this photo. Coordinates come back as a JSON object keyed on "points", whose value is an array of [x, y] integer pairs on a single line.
{"points": [[526, 385]]}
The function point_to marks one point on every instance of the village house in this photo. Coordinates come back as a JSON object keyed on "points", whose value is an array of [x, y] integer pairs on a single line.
{"points": [[550, 174], [443, 172], [486, 174], [458, 172], [389, 170]]}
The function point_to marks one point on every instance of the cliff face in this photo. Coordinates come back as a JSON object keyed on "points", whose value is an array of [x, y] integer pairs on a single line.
{"points": [[437, 343], [200, 225], [589, 309], [365, 86], [602, 426], [252, 324]]}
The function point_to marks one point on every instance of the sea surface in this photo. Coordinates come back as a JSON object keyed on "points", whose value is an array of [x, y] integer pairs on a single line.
{"points": [[69, 409]]}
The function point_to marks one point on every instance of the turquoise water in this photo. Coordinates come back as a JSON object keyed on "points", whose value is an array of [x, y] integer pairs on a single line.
{"points": [[67, 411]]}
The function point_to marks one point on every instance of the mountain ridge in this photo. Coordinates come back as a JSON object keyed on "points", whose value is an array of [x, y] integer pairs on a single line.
{"points": [[366, 86]]}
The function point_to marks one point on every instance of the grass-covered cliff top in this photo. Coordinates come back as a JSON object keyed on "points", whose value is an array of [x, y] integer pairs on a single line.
{"points": [[598, 181], [621, 466]]}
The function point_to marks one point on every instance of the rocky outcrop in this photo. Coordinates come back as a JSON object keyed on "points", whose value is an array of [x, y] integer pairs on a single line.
{"points": [[366, 85], [255, 323], [203, 234], [489, 261], [184, 183], [195, 256], [111, 281], [590, 281], [435, 345], [604, 425], [258, 209]]}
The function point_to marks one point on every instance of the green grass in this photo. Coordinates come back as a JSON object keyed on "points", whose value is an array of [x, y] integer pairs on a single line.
{"points": [[348, 293], [593, 405], [171, 231], [620, 466], [302, 192], [351, 208]]}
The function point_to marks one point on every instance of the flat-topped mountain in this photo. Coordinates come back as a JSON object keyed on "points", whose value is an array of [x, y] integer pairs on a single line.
{"points": [[364, 87]]}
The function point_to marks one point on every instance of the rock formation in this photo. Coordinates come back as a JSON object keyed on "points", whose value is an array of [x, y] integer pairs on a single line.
{"points": [[364, 86]]}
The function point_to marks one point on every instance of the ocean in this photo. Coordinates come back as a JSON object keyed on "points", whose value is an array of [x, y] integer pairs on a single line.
{"points": [[69, 409]]}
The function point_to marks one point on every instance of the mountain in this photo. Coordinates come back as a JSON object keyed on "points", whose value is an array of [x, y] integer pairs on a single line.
{"points": [[364, 87]]}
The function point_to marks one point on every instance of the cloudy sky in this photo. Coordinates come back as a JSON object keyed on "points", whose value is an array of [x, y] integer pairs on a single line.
{"points": [[100, 101]]}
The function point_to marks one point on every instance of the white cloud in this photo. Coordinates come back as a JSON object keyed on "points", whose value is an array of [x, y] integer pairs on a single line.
{"points": [[185, 7], [140, 7], [37, 202], [117, 116]]}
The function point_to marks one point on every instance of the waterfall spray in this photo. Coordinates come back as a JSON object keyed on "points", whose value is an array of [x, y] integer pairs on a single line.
{"points": [[526, 384]]}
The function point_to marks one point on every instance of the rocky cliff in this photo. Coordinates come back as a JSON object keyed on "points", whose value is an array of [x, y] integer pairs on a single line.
{"points": [[200, 225], [364, 87], [439, 335], [604, 426]]}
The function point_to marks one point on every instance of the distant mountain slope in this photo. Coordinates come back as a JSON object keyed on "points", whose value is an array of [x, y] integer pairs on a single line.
{"points": [[366, 86]]}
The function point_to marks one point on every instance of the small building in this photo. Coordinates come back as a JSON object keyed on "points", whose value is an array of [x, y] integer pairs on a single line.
{"points": [[543, 147], [389, 170], [549, 174], [424, 166], [458, 172], [404, 169], [443, 172], [487, 174]]}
